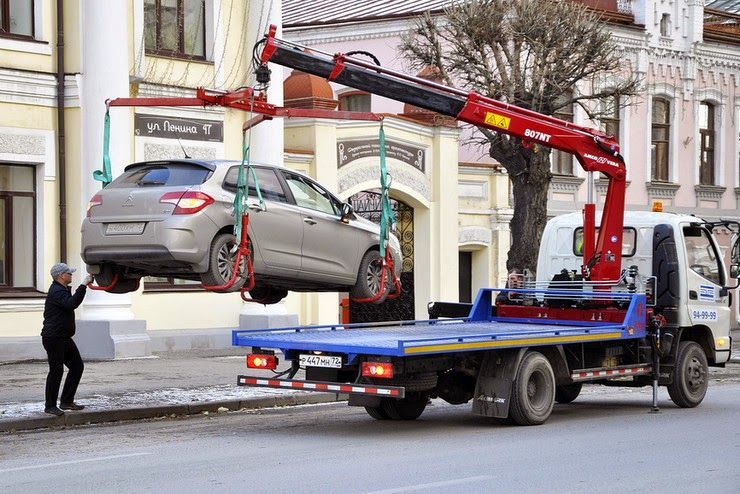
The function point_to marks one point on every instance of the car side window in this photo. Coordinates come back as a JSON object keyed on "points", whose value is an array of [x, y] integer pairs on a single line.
{"points": [[309, 195], [270, 186]]}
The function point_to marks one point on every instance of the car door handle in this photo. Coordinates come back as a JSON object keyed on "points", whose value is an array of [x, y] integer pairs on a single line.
{"points": [[309, 221], [256, 207]]}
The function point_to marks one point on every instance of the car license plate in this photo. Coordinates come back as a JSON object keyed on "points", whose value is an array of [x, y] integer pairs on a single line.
{"points": [[124, 228], [330, 361]]}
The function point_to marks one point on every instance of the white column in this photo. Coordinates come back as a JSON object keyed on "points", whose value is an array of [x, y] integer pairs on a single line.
{"points": [[267, 137], [105, 74]]}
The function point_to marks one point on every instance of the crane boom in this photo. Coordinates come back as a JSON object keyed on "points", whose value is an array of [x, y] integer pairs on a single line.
{"points": [[594, 150]]}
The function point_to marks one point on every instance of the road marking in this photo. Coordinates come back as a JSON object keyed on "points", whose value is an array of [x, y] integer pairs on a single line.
{"points": [[444, 483], [72, 462]]}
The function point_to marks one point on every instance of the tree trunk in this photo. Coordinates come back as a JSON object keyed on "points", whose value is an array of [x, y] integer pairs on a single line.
{"points": [[529, 188]]}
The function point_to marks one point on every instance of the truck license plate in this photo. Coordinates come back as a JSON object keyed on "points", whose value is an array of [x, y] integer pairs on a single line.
{"points": [[330, 361], [124, 229]]}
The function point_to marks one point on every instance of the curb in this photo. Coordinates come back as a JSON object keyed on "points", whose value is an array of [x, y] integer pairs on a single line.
{"points": [[87, 417]]}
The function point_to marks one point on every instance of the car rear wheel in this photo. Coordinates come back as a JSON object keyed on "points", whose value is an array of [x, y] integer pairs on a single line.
{"points": [[267, 295], [221, 259], [368, 278], [123, 283]]}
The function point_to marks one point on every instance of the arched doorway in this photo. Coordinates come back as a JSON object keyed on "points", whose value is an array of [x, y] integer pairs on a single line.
{"points": [[368, 205]]}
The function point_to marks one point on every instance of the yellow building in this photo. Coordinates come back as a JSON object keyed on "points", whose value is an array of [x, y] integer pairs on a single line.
{"points": [[124, 48]]}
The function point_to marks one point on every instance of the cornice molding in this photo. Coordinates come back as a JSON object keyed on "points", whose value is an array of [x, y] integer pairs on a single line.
{"points": [[662, 190], [709, 192], [35, 88]]}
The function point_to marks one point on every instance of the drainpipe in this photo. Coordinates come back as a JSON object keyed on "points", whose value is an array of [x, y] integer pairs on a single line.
{"points": [[60, 128]]}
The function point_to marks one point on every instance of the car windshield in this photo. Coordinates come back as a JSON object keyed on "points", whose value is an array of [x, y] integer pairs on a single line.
{"points": [[162, 174]]}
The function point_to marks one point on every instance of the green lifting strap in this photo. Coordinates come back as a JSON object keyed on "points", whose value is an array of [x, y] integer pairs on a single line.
{"points": [[387, 217], [104, 175], [242, 188]]}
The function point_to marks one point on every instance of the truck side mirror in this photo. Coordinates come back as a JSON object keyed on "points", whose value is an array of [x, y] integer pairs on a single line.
{"points": [[347, 211], [735, 271]]}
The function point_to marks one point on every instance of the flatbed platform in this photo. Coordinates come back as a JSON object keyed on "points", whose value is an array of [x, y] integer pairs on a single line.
{"points": [[442, 335]]}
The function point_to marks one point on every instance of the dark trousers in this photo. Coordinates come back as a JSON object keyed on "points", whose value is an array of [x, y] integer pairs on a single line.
{"points": [[61, 352]]}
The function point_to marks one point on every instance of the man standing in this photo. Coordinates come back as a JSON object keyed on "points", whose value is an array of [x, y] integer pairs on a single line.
{"points": [[56, 336]]}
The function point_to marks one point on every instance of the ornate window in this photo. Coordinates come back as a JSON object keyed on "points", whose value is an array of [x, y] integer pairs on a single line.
{"points": [[610, 120], [707, 143], [175, 28], [17, 228], [660, 139], [562, 162], [665, 25], [16, 18]]}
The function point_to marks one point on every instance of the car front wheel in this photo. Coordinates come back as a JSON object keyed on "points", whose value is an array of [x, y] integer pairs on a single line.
{"points": [[369, 276], [221, 259]]}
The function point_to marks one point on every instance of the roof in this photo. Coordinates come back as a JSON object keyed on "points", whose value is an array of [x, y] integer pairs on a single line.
{"points": [[304, 12], [732, 6]]}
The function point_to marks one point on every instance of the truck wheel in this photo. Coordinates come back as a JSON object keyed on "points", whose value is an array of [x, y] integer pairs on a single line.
{"points": [[533, 390], [408, 408], [221, 259], [567, 392], [377, 413], [689, 376], [368, 278]]}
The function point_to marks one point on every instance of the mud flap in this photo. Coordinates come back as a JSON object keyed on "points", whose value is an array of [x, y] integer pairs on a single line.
{"points": [[495, 378]]}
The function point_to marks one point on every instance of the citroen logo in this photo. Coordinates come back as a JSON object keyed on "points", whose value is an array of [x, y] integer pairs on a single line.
{"points": [[129, 201]]}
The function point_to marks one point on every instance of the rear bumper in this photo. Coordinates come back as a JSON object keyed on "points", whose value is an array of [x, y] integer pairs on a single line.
{"points": [[323, 386], [176, 242]]}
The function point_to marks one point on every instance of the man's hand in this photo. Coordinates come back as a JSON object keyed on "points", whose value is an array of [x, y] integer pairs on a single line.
{"points": [[88, 279]]}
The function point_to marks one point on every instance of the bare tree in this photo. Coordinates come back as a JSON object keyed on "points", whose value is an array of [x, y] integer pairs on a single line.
{"points": [[536, 54]]}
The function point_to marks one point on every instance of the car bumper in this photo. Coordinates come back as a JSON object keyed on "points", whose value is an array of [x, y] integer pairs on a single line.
{"points": [[180, 242]]}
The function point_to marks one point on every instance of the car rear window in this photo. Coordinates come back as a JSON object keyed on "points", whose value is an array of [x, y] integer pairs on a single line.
{"points": [[162, 175]]}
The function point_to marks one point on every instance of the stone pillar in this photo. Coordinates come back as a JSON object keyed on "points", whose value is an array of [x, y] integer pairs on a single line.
{"points": [[267, 147], [107, 328]]}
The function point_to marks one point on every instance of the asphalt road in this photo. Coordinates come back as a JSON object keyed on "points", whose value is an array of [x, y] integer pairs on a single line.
{"points": [[606, 441]]}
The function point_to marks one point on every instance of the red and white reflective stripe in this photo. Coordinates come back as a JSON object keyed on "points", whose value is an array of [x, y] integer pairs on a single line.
{"points": [[632, 371], [318, 386]]}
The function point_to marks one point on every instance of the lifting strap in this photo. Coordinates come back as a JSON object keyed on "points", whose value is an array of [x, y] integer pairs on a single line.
{"points": [[387, 219], [104, 175]]}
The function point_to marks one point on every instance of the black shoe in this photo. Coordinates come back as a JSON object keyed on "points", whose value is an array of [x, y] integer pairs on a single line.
{"points": [[71, 406], [53, 411]]}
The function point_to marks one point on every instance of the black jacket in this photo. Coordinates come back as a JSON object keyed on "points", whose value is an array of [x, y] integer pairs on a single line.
{"points": [[59, 310]]}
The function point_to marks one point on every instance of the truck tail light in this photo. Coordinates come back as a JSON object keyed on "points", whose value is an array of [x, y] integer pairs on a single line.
{"points": [[259, 361], [382, 370], [188, 202], [96, 200]]}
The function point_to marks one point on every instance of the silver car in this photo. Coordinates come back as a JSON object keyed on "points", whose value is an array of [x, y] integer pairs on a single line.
{"points": [[175, 218]]}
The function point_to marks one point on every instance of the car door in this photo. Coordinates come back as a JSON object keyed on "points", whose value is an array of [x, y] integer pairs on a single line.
{"points": [[705, 277], [276, 229], [329, 244]]}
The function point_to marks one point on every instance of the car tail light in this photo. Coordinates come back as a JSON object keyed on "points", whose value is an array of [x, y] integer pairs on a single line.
{"points": [[96, 200], [258, 361], [377, 369], [188, 202]]}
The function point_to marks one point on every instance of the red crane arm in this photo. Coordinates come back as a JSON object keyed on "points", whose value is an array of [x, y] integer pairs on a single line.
{"points": [[594, 150]]}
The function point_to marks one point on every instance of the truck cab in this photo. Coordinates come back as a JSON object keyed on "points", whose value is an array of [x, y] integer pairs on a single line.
{"points": [[677, 258]]}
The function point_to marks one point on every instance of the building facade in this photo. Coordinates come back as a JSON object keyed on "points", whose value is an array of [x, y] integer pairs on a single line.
{"points": [[679, 136]]}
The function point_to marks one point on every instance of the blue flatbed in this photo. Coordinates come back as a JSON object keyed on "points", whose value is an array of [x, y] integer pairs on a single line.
{"points": [[479, 331]]}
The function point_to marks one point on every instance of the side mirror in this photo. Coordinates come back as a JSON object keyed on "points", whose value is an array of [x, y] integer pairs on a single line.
{"points": [[347, 211], [735, 271]]}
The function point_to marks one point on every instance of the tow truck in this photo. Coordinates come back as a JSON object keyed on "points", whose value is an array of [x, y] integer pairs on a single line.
{"points": [[640, 300]]}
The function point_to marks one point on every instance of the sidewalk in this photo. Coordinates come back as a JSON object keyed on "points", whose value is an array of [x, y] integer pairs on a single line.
{"points": [[171, 383], [166, 384]]}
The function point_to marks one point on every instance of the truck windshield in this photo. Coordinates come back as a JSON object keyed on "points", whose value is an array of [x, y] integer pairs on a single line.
{"points": [[701, 255]]}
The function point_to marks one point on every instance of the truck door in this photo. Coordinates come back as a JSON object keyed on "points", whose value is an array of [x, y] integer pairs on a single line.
{"points": [[705, 276]]}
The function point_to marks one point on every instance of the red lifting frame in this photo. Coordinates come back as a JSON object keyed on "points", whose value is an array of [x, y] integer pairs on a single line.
{"points": [[594, 150]]}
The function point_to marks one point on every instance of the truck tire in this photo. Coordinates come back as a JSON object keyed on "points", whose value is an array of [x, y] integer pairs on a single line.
{"points": [[409, 408], [567, 392], [533, 390], [377, 413], [690, 378]]}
